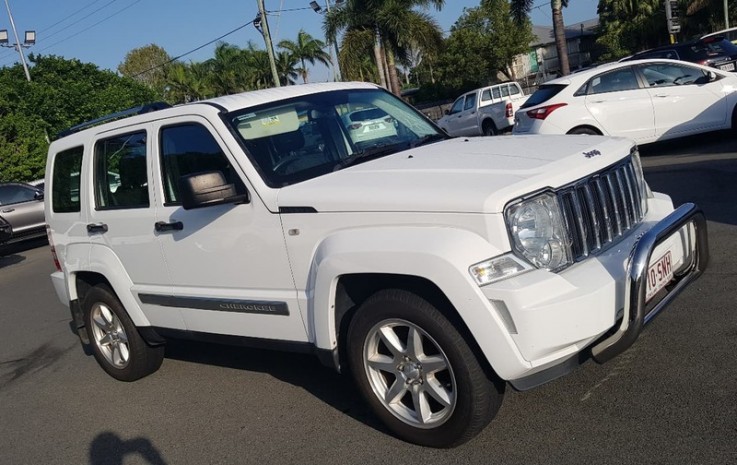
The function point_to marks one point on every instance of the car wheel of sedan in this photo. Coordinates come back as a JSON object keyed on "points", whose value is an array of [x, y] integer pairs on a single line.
{"points": [[586, 131], [417, 371], [118, 347]]}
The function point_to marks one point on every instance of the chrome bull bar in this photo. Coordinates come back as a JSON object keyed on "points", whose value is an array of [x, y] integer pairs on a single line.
{"points": [[635, 316]]}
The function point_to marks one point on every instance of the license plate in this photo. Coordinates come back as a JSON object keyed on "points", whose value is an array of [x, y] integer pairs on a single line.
{"points": [[659, 274], [727, 67], [374, 127]]}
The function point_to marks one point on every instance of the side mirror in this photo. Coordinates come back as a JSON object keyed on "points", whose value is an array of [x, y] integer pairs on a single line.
{"points": [[39, 195], [447, 112], [207, 189], [712, 76]]}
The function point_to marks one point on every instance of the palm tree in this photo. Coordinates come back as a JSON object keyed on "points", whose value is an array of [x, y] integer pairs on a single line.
{"points": [[286, 68], [520, 11], [393, 26], [306, 49]]}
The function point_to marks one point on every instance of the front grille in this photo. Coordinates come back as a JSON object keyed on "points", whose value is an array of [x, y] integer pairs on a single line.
{"points": [[600, 209]]}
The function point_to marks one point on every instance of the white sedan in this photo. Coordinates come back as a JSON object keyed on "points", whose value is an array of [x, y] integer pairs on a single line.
{"points": [[644, 100]]}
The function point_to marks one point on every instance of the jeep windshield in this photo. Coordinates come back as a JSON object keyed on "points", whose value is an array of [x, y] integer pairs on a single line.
{"points": [[293, 140]]}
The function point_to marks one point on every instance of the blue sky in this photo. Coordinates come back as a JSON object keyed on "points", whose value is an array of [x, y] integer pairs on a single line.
{"points": [[103, 31]]}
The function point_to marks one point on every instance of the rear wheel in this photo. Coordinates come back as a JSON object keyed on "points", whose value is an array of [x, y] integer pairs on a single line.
{"points": [[117, 346], [488, 128], [417, 372], [587, 131]]}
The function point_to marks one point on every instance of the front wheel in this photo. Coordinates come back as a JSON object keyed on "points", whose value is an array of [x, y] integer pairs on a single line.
{"points": [[417, 372], [117, 346]]}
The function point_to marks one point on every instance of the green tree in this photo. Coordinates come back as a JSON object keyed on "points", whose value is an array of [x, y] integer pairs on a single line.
{"points": [[627, 26], [306, 49], [63, 93], [395, 26], [483, 43], [286, 68], [520, 12], [146, 65]]}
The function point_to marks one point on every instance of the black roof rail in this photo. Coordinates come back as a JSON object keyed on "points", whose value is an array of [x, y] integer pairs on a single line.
{"points": [[149, 107]]}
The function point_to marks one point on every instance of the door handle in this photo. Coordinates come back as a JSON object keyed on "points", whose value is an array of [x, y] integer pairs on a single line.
{"points": [[9, 210], [97, 228], [162, 226], [661, 95]]}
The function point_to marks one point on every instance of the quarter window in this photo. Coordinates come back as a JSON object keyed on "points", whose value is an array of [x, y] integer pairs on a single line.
{"points": [[486, 95], [121, 174], [187, 149], [65, 180]]}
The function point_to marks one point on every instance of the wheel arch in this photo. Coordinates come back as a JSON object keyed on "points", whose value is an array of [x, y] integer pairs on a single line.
{"points": [[586, 126], [350, 266]]}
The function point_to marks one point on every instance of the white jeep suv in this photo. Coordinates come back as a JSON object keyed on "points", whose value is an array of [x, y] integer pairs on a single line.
{"points": [[436, 270]]}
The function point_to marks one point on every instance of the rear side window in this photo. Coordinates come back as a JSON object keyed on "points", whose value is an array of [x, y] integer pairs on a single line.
{"points": [[614, 81], [65, 180], [121, 173], [513, 90], [187, 149], [497, 92], [486, 95], [707, 49], [470, 102], [505, 91], [543, 94]]}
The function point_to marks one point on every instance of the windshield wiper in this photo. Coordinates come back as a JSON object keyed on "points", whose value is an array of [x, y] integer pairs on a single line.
{"points": [[369, 153], [428, 139]]}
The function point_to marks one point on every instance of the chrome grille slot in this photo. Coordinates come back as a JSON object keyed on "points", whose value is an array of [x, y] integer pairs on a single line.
{"points": [[600, 209]]}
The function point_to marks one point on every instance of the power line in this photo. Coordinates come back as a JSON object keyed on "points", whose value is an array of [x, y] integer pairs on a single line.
{"points": [[193, 50]]}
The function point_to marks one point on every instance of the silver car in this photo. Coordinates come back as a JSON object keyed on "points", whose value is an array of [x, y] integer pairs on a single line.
{"points": [[22, 206]]}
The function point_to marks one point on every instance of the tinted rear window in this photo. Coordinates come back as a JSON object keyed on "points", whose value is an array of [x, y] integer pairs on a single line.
{"points": [[543, 94]]}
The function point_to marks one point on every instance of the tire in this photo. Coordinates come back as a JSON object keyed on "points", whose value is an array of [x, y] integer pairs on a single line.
{"points": [[586, 131], [116, 344], [442, 408], [488, 128]]}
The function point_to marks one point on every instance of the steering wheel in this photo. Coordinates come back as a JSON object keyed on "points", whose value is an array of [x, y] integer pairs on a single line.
{"points": [[286, 162]]}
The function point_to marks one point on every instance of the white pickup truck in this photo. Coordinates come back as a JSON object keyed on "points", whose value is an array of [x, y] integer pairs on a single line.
{"points": [[336, 219], [486, 111]]}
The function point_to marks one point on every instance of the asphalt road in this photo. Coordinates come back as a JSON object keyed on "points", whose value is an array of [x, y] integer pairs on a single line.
{"points": [[670, 399]]}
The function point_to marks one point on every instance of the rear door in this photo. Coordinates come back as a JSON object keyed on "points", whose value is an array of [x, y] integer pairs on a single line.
{"points": [[618, 103], [121, 220], [228, 264]]}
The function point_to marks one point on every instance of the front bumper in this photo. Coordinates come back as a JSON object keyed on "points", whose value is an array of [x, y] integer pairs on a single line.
{"points": [[636, 312], [556, 320]]}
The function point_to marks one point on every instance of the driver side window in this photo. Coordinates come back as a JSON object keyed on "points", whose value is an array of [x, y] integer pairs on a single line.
{"points": [[457, 106], [187, 149]]}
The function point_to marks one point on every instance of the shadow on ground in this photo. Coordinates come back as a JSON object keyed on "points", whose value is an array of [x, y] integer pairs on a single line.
{"points": [[302, 370], [109, 449]]}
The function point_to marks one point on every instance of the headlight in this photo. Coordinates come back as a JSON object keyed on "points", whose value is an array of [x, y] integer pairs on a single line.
{"points": [[538, 233]]}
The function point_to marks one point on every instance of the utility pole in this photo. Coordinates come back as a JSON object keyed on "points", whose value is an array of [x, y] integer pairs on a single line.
{"points": [[726, 15], [267, 39]]}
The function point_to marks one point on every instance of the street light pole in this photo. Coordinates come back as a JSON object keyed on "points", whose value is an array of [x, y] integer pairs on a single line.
{"points": [[267, 40], [17, 42], [726, 15]]}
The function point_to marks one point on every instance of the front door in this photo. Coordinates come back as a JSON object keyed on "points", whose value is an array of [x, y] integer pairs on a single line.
{"points": [[227, 264]]}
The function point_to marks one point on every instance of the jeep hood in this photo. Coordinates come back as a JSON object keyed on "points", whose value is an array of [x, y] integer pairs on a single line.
{"points": [[461, 175]]}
